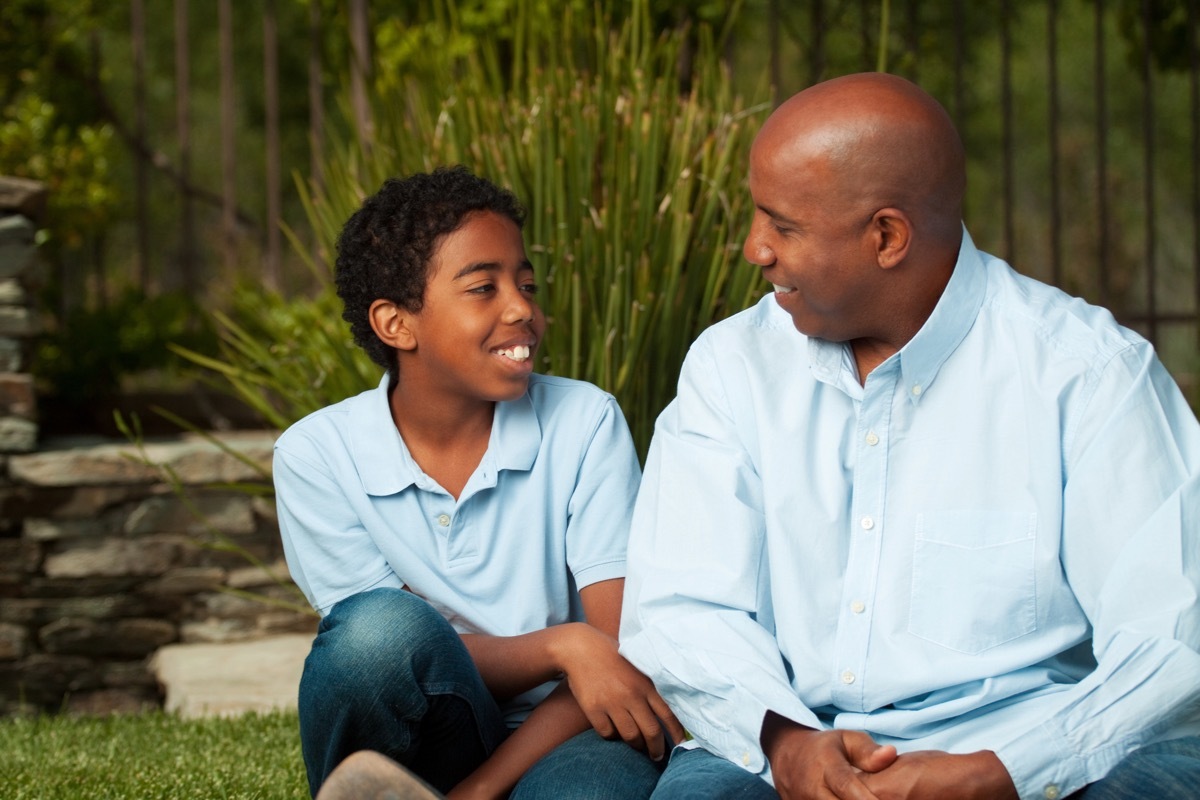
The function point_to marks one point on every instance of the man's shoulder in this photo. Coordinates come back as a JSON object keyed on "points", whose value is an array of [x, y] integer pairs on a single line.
{"points": [[1064, 323], [764, 318]]}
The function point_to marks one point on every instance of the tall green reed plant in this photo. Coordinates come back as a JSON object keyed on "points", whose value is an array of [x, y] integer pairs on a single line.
{"points": [[635, 193]]}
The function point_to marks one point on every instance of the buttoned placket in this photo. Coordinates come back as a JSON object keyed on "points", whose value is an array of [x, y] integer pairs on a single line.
{"points": [[865, 532]]}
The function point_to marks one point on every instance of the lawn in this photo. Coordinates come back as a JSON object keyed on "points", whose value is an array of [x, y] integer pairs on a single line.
{"points": [[151, 756]]}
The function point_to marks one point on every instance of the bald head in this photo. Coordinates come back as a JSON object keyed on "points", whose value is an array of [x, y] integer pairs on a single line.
{"points": [[883, 142]]}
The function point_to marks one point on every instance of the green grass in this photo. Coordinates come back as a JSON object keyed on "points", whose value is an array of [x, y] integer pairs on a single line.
{"points": [[151, 756]]}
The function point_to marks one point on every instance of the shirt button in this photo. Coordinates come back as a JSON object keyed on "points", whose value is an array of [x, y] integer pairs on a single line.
{"points": [[444, 520], [745, 759], [847, 677], [872, 439], [867, 523], [1052, 791], [916, 390], [858, 606]]}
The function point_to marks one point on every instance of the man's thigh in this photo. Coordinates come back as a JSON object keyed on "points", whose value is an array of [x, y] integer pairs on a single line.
{"points": [[588, 767], [1164, 770], [698, 773]]}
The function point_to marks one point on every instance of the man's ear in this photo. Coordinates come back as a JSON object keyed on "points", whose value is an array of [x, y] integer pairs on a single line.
{"points": [[392, 324], [892, 231]]}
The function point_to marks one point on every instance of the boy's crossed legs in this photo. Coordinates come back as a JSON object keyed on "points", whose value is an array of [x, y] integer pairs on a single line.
{"points": [[388, 674]]}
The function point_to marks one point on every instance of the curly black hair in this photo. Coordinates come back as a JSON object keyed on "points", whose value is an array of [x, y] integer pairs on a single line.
{"points": [[385, 248]]}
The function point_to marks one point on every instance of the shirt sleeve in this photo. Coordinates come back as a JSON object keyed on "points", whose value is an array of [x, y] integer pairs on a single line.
{"points": [[696, 617], [602, 500], [329, 554], [1131, 553]]}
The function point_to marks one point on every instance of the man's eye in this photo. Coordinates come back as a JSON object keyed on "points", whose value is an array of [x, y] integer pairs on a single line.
{"points": [[483, 289], [530, 288]]}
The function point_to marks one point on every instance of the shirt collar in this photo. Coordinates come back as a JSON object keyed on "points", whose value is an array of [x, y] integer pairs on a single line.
{"points": [[385, 465], [925, 353], [952, 317]]}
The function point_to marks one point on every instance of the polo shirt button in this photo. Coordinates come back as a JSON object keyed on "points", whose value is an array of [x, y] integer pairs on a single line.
{"points": [[444, 520], [872, 439], [916, 390], [1052, 792], [847, 677], [867, 523], [745, 759], [858, 606]]}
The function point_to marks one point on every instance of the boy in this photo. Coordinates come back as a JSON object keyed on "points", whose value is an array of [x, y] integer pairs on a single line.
{"points": [[455, 526]]}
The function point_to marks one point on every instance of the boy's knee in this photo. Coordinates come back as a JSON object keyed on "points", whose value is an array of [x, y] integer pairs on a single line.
{"points": [[378, 635]]}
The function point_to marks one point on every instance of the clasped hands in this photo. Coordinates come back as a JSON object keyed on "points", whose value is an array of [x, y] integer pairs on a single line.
{"points": [[809, 764]]}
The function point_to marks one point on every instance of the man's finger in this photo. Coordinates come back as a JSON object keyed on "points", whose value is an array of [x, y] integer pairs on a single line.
{"points": [[865, 753], [672, 724]]}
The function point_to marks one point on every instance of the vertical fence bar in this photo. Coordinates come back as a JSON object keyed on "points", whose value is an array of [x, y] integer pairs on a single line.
{"points": [[141, 190], [816, 58], [1194, 61], [274, 256], [1101, 158], [1052, 113], [228, 137], [1006, 112], [1148, 160], [183, 130]]}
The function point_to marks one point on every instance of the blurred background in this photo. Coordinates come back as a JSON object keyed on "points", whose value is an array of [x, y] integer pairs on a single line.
{"points": [[201, 156]]}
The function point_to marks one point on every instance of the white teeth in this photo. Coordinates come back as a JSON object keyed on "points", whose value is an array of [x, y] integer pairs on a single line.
{"points": [[519, 352], [783, 289]]}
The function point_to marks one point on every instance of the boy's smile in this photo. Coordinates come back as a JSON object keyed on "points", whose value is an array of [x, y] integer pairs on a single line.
{"points": [[477, 333]]}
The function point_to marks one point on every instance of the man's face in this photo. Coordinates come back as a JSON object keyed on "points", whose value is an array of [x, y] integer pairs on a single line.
{"points": [[811, 243]]}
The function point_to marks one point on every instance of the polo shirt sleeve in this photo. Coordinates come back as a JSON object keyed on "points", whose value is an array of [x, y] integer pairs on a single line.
{"points": [[329, 553], [602, 500]]}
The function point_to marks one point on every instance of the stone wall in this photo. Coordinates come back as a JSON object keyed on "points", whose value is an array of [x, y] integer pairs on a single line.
{"points": [[101, 560], [102, 563]]}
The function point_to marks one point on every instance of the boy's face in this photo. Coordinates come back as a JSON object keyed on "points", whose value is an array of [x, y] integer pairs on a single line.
{"points": [[478, 330]]}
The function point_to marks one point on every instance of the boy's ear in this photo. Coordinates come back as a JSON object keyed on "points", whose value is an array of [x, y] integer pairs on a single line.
{"points": [[392, 324]]}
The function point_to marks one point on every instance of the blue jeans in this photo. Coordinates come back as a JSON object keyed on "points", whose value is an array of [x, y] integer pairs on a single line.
{"points": [[1163, 771], [388, 673]]}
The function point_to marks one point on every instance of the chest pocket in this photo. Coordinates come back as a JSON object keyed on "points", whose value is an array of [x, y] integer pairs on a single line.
{"points": [[973, 580]]}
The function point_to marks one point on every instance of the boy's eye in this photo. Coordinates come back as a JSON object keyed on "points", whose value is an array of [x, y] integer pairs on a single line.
{"points": [[530, 288], [482, 288]]}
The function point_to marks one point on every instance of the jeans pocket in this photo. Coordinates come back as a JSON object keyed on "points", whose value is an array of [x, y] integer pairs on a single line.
{"points": [[973, 580]]}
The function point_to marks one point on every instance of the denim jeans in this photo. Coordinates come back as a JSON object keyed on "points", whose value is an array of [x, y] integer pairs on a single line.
{"points": [[388, 673], [1163, 771]]}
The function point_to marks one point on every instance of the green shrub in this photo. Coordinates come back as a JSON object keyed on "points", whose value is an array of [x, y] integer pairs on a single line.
{"points": [[636, 198]]}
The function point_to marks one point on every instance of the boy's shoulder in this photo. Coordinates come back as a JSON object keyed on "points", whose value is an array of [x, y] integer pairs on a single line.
{"points": [[553, 394], [334, 422]]}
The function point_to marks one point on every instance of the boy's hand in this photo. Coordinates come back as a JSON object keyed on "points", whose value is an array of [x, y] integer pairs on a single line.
{"points": [[616, 698]]}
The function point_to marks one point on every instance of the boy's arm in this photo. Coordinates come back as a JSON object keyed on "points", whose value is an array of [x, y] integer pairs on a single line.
{"points": [[619, 698]]}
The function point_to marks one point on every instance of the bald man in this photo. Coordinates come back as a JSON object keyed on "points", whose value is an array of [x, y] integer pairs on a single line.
{"points": [[915, 526]]}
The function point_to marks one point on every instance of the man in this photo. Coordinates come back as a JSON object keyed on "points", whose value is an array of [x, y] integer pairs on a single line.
{"points": [[915, 526]]}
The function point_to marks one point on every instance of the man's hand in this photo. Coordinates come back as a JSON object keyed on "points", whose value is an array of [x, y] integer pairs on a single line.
{"points": [[616, 698], [821, 765], [934, 775]]}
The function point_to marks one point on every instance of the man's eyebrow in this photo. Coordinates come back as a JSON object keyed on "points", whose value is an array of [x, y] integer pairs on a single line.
{"points": [[773, 214], [488, 266]]}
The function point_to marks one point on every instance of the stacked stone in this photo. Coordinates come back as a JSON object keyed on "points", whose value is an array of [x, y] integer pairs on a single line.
{"points": [[106, 562], [22, 203]]}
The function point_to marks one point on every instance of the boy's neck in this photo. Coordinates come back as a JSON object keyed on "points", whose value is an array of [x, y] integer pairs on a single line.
{"points": [[446, 439]]}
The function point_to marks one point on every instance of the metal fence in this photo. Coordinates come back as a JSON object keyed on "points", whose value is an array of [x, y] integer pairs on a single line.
{"points": [[1081, 120]]}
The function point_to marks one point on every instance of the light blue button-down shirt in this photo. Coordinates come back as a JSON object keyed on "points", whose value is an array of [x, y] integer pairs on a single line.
{"points": [[993, 544], [545, 513]]}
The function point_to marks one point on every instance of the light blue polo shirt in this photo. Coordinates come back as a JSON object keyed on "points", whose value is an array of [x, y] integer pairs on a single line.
{"points": [[545, 513]]}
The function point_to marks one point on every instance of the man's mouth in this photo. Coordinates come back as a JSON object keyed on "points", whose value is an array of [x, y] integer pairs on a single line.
{"points": [[783, 289], [519, 352]]}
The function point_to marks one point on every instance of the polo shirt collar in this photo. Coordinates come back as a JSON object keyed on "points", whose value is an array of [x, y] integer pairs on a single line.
{"points": [[386, 467]]}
